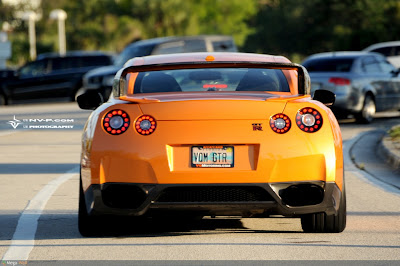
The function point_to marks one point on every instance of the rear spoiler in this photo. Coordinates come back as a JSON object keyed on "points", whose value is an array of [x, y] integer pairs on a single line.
{"points": [[119, 86]]}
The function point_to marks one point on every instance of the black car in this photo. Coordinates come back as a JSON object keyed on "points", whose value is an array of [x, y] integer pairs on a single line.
{"points": [[101, 79], [51, 76]]}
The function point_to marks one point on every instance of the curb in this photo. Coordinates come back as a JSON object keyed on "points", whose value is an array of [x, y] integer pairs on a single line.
{"points": [[387, 152]]}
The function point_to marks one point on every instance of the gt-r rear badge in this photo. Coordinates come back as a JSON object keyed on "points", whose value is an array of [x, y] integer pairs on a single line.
{"points": [[257, 127]]}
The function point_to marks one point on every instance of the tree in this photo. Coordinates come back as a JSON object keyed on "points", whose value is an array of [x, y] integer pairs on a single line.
{"points": [[297, 30]]}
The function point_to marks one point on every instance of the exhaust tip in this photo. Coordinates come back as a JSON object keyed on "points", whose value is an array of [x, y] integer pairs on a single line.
{"points": [[123, 196], [302, 195]]}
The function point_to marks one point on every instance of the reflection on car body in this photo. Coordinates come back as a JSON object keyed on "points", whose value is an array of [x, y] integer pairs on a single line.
{"points": [[212, 134], [363, 82]]}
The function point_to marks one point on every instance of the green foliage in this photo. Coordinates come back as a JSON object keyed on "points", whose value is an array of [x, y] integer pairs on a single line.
{"points": [[110, 25], [394, 133], [291, 27], [288, 27]]}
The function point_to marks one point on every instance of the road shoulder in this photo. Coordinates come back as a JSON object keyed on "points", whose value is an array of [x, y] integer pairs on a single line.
{"points": [[370, 155]]}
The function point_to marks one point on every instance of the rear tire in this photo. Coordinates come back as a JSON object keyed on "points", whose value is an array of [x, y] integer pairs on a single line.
{"points": [[87, 225], [368, 110], [322, 223]]}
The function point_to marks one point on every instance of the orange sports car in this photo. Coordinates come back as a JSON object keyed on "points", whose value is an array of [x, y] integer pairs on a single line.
{"points": [[202, 134]]}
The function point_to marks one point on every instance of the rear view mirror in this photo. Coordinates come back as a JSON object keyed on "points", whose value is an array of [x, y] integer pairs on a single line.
{"points": [[90, 100], [326, 97]]}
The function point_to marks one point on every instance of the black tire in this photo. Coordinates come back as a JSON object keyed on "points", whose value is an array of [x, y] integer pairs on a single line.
{"points": [[322, 223], [87, 225], [366, 115]]}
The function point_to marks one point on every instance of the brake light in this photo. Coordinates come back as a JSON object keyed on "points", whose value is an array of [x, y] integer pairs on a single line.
{"points": [[309, 120], [217, 86], [339, 81], [145, 125], [280, 123], [116, 122]]}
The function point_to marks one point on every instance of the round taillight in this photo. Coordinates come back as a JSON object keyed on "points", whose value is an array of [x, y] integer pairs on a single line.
{"points": [[145, 125], [280, 123], [309, 120], [116, 122]]}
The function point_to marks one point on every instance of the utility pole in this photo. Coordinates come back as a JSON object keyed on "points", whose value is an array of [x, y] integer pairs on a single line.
{"points": [[31, 17], [60, 15]]}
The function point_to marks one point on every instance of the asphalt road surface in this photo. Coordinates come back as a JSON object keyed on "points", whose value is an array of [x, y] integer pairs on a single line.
{"points": [[39, 200]]}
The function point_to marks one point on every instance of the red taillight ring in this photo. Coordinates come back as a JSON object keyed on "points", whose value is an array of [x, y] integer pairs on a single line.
{"points": [[309, 120], [145, 125], [116, 122], [280, 123]]}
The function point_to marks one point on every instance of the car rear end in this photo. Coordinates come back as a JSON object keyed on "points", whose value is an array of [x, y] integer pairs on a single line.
{"points": [[213, 137], [335, 73], [219, 149]]}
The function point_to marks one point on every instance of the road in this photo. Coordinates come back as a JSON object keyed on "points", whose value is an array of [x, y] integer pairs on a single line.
{"points": [[39, 199]]}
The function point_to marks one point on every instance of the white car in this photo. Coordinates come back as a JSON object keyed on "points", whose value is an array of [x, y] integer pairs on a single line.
{"points": [[389, 49]]}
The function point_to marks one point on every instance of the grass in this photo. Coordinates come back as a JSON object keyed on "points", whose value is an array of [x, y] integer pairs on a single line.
{"points": [[394, 133]]}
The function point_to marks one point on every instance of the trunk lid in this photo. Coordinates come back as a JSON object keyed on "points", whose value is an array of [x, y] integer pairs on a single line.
{"points": [[321, 80]]}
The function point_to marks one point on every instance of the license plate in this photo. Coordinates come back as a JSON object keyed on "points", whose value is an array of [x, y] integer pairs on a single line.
{"points": [[212, 156]]}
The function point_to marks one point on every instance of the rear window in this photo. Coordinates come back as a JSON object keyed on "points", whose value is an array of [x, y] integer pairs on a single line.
{"points": [[210, 79], [101, 60], [386, 51], [131, 52], [329, 65], [224, 46], [72, 62]]}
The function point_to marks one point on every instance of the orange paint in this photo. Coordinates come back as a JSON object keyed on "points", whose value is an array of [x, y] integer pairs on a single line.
{"points": [[186, 119]]}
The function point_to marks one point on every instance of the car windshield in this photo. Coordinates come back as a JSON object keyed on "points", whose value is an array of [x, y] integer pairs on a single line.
{"points": [[329, 64], [209, 79]]}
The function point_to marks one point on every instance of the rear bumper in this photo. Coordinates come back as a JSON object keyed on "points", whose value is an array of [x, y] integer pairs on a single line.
{"points": [[287, 199]]}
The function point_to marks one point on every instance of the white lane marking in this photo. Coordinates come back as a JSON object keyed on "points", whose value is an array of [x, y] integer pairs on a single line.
{"points": [[23, 240]]}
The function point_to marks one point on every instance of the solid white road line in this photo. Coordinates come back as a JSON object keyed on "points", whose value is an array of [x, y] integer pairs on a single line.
{"points": [[23, 240]]}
